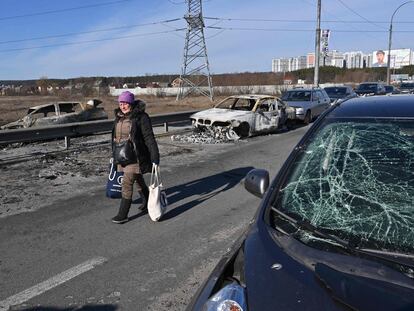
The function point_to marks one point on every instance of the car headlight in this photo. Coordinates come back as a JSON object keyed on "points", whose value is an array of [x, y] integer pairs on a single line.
{"points": [[231, 297]]}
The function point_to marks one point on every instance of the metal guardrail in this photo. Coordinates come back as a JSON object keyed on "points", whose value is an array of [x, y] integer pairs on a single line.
{"points": [[80, 128]]}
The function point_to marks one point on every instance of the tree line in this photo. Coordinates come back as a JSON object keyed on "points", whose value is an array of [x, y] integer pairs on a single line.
{"points": [[87, 86]]}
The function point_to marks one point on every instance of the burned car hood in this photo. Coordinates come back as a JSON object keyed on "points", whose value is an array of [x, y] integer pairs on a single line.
{"points": [[275, 280], [221, 114]]}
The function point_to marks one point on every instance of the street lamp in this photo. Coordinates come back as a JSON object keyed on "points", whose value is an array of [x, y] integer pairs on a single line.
{"points": [[389, 42]]}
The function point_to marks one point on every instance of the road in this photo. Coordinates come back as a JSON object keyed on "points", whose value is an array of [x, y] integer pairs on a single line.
{"points": [[69, 255]]}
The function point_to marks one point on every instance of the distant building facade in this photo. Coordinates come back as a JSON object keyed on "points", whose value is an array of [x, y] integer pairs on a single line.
{"points": [[350, 60]]}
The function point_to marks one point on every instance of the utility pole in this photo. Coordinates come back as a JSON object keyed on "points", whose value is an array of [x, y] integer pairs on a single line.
{"points": [[389, 42], [317, 46], [195, 71]]}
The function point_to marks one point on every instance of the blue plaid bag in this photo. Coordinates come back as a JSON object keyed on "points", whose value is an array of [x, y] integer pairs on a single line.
{"points": [[114, 184]]}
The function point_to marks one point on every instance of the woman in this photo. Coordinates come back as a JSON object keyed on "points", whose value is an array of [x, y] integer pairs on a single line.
{"points": [[132, 122]]}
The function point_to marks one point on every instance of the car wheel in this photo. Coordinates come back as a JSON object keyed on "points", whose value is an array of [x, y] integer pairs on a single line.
{"points": [[243, 130], [308, 117]]}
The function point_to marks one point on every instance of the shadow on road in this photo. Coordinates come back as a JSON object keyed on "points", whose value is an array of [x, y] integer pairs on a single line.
{"points": [[203, 188]]}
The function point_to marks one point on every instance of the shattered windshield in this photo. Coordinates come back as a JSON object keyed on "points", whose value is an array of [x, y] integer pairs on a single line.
{"points": [[356, 180], [237, 104]]}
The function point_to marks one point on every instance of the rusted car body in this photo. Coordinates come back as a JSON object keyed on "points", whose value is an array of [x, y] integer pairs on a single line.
{"points": [[245, 115], [59, 113]]}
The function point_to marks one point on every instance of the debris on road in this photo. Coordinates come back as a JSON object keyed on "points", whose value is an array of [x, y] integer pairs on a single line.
{"points": [[213, 135]]}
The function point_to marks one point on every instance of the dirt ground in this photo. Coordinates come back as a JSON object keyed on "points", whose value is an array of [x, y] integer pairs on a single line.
{"points": [[43, 172], [13, 108], [39, 174]]}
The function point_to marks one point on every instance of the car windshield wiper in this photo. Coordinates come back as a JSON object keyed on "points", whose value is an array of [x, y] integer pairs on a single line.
{"points": [[393, 257]]}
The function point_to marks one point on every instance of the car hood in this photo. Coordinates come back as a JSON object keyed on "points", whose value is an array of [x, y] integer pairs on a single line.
{"points": [[277, 281], [298, 104], [216, 114]]}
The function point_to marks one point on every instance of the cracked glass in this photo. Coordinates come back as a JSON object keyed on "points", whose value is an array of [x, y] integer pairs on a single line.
{"points": [[355, 179]]}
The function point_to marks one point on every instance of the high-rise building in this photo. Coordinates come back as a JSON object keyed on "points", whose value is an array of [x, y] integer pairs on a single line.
{"points": [[353, 59]]}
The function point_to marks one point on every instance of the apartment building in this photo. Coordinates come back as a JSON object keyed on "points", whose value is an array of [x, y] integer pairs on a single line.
{"points": [[353, 59]]}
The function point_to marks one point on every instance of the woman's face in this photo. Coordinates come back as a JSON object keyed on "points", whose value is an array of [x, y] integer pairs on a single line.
{"points": [[125, 107]]}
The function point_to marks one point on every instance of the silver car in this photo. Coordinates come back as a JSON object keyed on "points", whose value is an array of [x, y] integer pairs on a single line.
{"points": [[309, 102]]}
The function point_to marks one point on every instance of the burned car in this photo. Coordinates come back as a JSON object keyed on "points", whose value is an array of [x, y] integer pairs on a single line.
{"points": [[245, 115], [59, 113], [334, 230]]}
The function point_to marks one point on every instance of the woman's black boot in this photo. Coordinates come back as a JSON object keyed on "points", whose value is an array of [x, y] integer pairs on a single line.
{"points": [[144, 194], [123, 211]]}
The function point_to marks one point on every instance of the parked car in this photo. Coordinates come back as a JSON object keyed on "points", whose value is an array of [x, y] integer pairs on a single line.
{"points": [[370, 88], [407, 87], [391, 89], [334, 228], [309, 102], [340, 93], [245, 115], [59, 113]]}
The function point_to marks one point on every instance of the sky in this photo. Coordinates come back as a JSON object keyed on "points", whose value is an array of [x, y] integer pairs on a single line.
{"points": [[82, 38]]}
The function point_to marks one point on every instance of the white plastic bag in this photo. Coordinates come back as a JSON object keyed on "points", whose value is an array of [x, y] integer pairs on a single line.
{"points": [[157, 201]]}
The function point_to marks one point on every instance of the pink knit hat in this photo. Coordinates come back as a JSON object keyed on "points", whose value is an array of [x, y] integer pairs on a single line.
{"points": [[126, 97]]}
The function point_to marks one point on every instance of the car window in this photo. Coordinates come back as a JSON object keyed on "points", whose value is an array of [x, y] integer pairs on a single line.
{"points": [[244, 104], [368, 87], [265, 105], [355, 180], [321, 95], [297, 96], [226, 103], [336, 90], [43, 112]]}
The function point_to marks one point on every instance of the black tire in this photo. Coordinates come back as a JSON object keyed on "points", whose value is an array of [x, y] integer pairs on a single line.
{"points": [[243, 130], [308, 117]]}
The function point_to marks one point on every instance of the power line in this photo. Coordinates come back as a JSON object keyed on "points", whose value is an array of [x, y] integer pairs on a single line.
{"points": [[89, 32], [91, 41], [300, 20], [356, 13], [299, 30], [62, 10]]}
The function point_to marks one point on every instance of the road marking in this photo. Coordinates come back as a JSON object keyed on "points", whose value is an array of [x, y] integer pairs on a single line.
{"points": [[50, 283]]}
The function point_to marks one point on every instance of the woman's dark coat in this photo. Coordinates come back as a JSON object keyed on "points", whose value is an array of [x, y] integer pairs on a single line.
{"points": [[142, 136]]}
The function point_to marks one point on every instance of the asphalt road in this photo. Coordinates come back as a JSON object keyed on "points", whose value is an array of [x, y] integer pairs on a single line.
{"points": [[69, 256]]}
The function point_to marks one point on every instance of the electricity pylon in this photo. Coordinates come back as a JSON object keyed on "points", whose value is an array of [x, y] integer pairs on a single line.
{"points": [[195, 71]]}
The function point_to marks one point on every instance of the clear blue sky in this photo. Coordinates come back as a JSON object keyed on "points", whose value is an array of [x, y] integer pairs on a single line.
{"points": [[158, 48]]}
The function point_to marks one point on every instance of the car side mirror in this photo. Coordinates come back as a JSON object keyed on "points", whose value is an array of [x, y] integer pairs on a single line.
{"points": [[257, 182]]}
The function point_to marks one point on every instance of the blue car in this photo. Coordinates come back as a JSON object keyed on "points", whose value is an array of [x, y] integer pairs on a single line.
{"points": [[334, 230]]}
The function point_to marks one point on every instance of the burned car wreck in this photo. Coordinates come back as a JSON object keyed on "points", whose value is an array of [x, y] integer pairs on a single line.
{"points": [[244, 116], [59, 113]]}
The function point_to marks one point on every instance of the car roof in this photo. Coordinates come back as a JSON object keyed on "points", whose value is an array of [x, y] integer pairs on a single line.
{"points": [[304, 89], [371, 83], [390, 106], [253, 96], [52, 104], [336, 87]]}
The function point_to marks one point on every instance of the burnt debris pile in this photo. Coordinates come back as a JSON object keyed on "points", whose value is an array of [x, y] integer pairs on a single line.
{"points": [[215, 135]]}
